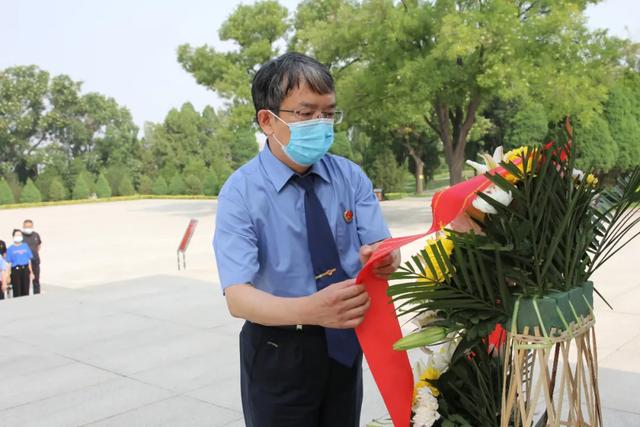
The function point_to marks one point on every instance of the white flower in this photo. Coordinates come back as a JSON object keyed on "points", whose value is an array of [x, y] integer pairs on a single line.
{"points": [[577, 174], [441, 359], [426, 409], [490, 162], [497, 194]]}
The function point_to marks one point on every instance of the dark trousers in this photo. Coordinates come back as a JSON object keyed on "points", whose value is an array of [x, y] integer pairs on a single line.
{"points": [[288, 380], [20, 280], [35, 267]]}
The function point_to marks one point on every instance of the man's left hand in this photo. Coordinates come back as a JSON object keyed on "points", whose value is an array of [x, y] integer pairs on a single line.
{"points": [[383, 267]]}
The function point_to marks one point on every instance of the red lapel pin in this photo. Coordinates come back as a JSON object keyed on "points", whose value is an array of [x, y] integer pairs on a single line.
{"points": [[348, 216]]}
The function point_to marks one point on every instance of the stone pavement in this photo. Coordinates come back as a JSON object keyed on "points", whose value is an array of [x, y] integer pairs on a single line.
{"points": [[121, 337]]}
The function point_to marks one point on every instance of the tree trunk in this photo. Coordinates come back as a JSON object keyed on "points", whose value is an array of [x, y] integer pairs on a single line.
{"points": [[419, 167], [453, 128]]}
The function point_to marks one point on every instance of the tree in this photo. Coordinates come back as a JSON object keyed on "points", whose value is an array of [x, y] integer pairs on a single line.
{"points": [[160, 186], [125, 187], [210, 184], [441, 62], [30, 193], [6, 195], [595, 146], [528, 126], [622, 112], [103, 189], [177, 185], [193, 185], [80, 189], [43, 113], [255, 30], [145, 186], [56, 190], [386, 173]]}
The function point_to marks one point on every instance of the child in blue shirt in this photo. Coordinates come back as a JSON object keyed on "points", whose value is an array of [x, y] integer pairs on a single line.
{"points": [[19, 255]]}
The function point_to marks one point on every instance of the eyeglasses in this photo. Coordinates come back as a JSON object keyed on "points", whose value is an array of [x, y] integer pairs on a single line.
{"points": [[306, 114]]}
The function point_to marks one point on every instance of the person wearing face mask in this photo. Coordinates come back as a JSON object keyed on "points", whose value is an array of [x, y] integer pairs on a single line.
{"points": [[293, 228], [32, 238], [19, 256]]}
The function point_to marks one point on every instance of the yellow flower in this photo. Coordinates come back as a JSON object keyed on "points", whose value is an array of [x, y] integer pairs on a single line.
{"points": [[432, 374], [438, 275], [592, 180], [518, 153]]}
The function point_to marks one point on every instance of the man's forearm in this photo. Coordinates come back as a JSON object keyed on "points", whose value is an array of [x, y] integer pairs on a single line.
{"points": [[246, 302]]}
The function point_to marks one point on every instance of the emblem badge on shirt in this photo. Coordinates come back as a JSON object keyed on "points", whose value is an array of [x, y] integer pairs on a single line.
{"points": [[348, 216]]}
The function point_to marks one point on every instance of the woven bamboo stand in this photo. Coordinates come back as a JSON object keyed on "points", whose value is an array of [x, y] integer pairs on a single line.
{"points": [[552, 380]]}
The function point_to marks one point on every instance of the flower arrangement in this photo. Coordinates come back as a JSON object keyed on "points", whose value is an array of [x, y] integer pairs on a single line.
{"points": [[530, 238]]}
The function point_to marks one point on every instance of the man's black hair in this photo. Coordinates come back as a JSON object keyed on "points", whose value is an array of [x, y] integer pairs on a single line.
{"points": [[275, 79], [16, 230]]}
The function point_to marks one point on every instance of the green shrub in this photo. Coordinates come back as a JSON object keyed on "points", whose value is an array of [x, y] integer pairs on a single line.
{"points": [[210, 184], [177, 185], [160, 186], [80, 189], [145, 186], [30, 193], [6, 195], [193, 184], [126, 188], [56, 190], [103, 189]]}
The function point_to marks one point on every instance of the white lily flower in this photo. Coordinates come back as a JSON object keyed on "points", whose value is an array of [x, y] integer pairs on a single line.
{"points": [[496, 193], [490, 162], [577, 174]]}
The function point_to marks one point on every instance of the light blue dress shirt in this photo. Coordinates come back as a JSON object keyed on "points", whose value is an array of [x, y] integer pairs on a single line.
{"points": [[261, 234]]}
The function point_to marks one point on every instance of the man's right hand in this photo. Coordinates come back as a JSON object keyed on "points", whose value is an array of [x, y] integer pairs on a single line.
{"points": [[341, 305]]}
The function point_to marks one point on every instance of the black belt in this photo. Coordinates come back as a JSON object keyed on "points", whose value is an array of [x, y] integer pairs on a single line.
{"points": [[307, 329], [20, 267]]}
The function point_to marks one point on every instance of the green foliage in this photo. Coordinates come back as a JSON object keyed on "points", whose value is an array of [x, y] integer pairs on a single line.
{"points": [[6, 195], [80, 189], [193, 185], [210, 185], [386, 173], [255, 29], [595, 145], [529, 126], [56, 191], [103, 189], [472, 53], [177, 185], [160, 186], [30, 193], [125, 187], [622, 112], [342, 146], [145, 186]]}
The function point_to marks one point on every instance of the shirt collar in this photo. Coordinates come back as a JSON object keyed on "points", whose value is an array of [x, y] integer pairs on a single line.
{"points": [[279, 173]]}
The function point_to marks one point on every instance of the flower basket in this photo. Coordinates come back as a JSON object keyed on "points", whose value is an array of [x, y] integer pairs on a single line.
{"points": [[552, 312], [551, 379]]}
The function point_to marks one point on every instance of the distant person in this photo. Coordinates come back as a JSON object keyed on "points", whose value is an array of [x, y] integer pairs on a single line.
{"points": [[19, 255], [5, 280], [34, 241], [4, 270]]}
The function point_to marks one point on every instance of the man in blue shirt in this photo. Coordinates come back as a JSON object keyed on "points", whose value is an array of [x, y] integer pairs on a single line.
{"points": [[19, 256], [293, 228]]}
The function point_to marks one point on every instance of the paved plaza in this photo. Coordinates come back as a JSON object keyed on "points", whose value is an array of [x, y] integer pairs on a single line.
{"points": [[120, 337]]}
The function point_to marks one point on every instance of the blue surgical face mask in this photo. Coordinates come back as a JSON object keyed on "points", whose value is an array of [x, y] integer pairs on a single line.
{"points": [[310, 140]]}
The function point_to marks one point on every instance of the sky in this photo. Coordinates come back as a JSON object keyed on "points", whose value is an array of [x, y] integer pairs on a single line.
{"points": [[126, 49]]}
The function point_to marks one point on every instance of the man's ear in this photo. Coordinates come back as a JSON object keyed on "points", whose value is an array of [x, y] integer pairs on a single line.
{"points": [[265, 121]]}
